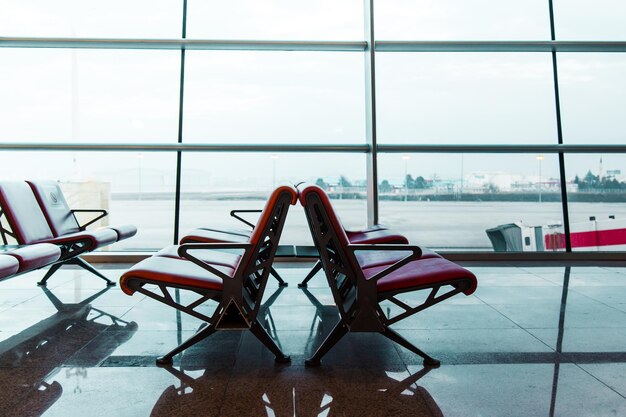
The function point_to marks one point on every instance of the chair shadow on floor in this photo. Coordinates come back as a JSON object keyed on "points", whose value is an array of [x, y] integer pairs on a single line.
{"points": [[300, 393], [35, 355], [278, 391]]}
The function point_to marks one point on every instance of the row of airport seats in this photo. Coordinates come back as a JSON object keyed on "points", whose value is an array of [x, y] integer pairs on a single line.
{"points": [[37, 212], [362, 276]]}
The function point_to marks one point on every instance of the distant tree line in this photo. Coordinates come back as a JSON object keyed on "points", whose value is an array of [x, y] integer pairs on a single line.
{"points": [[418, 183], [343, 182], [594, 182], [589, 182]]}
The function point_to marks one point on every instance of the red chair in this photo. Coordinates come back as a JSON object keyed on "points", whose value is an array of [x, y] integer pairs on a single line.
{"points": [[359, 289], [235, 281], [40, 215]]}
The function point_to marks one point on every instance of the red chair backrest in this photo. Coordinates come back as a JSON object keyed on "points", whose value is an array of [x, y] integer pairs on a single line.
{"points": [[330, 240], [281, 195], [264, 239], [54, 206], [23, 213]]}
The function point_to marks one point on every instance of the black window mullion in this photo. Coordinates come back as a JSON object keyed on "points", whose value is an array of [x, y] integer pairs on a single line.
{"points": [[180, 128], [559, 127]]}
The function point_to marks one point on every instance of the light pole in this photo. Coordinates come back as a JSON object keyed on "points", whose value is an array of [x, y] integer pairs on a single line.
{"points": [[139, 159], [273, 157], [540, 158], [462, 174], [406, 158]]}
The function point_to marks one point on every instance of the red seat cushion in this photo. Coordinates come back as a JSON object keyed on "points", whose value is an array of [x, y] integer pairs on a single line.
{"points": [[94, 238], [124, 231], [36, 256], [203, 235], [372, 258], [8, 265], [377, 234], [208, 256], [422, 272], [172, 271]]}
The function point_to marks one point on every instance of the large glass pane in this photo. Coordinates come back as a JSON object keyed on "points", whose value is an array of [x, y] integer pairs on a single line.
{"points": [[597, 201], [462, 20], [274, 97], [135, 188], [88, 18], [89, 95], [593, 97], [600, 20], [275, 19], [448, 201], [215, 183], [484, 98]]}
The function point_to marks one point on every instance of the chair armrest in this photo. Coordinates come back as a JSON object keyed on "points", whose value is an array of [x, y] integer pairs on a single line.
{"points": [[416, 253], [103, 213], [183, 252], [234, 214]]}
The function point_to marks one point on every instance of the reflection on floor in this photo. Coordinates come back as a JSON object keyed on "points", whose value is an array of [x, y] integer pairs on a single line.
{"points": [[532, 341]]}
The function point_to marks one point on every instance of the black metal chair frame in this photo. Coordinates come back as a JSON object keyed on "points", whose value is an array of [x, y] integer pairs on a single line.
{"points": [[356, 297], [318, 264], [240, 299], [235, 214]]}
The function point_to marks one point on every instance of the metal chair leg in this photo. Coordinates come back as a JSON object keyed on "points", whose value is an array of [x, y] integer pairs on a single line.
{"points": [[200, 335], [87, 266], [281, 281], [54, 268], [331, 340], [428, 360], [316, 268], [267, 340]]}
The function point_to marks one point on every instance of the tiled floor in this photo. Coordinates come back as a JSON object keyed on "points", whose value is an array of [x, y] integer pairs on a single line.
{"points": [[531, 341]]}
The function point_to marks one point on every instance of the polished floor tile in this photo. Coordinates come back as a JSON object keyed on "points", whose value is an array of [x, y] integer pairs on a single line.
{"points": [[532, 340], [543, 315], [583, 339]]}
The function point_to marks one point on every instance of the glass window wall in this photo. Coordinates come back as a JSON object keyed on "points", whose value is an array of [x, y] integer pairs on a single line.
{"points": [[213, 184], [469, 128], [494, 98], [451, 201], [274, 97], [71, 95]]}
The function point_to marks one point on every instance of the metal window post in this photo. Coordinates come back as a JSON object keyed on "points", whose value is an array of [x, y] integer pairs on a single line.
{"points": [[370, 114], [559, 126], [179, 155]]}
